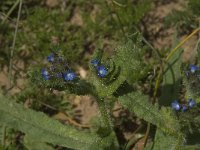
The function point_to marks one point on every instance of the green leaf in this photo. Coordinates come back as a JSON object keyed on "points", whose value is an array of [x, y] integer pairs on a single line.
{"points": [[190, 125], [191, 147], [79, 87], [171, 79], [125, 65], [138, 103], [141, 9], [194, 6], [166, 142], [191, 83], [2, 134], [34, 144], [198, 52], [129, 58], [132, 14], [164, 119], [44, 129]]}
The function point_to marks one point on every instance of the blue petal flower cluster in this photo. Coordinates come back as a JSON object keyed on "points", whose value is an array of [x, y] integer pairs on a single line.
{"points": [[183, 107], [95, 62], [193, 70], [45, 74], [59, 69], [101, 69], [69, 76], [50, 58]]}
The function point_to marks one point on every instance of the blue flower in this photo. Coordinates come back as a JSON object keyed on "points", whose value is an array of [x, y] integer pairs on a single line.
{"points": [[69, 76], [184, 108], [50, 58], [46, 77], [45, 74], [191, 102], [175, 105], [102, 71], [95, 62], [193, 68]]}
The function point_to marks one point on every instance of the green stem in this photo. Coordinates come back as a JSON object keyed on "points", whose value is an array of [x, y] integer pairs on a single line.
{"points": [[4, 136], [10, 11], [160, 72], [147, 134], [169, 56], [118, 17], [132, 140], [119, 4], [106, 118], [13, 44], [181, 43], [157, 52], [119, 20], [104, 113]]}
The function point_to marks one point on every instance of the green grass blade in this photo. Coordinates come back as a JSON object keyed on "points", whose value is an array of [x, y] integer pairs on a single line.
{"points": [[171, 79]]}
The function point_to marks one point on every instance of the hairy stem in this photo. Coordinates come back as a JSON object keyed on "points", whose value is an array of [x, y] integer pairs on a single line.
{"points": [[104, 113], [106, 118]]}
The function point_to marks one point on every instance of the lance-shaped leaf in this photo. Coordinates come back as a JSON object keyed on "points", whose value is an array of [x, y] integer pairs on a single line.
{"points": [[44, 129], [164, 119], [34, 144], [171, 79], [167, 142]]}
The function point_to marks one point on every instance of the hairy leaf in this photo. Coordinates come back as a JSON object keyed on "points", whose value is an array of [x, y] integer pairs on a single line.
{"points": [[40, 127], [125, 65], [190, 125], [164, 119], [166, 142], [34, 144]]}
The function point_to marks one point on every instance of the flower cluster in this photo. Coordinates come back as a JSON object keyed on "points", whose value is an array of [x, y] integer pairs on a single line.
{"points": [[59, 69], [101, 69], [183, 107], [193, 71]]}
